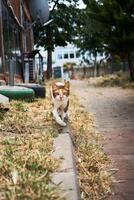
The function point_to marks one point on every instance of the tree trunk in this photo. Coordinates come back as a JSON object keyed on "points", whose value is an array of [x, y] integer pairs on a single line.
{"points": [[131, 66], [49, 63], [2, 41], [124, 62], [98, 69], [84, 71], [49, 51], [124, 66], [95, 67]]}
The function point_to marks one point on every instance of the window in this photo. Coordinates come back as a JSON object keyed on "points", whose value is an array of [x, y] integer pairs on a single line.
{"points": [[66, 55], [77, 54], [59, 56], [71, 55]]}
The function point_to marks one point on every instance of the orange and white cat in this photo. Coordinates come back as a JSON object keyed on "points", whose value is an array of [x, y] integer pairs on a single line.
{"points": [[60, 98]]}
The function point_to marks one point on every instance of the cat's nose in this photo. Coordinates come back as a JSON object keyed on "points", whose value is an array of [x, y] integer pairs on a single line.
{"points": [[61, 97]]}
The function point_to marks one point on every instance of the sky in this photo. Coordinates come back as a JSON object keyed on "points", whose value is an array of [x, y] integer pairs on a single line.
{"points": [[81, 4]]}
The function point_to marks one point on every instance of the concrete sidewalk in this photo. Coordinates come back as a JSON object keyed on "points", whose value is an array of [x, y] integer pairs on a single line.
{"points": [[66, 176], [114, 113]]}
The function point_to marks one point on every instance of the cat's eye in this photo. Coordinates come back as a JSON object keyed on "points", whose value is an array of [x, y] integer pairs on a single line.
{"points": [[57, 93], [64, 93]]}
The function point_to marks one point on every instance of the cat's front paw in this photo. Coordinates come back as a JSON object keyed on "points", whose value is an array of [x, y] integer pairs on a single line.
{"points": [[64, 116], [63, 124]]}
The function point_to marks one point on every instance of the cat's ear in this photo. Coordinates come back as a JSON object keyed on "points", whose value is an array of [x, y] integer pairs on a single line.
{"points": [[54, 86], [67, 84]]}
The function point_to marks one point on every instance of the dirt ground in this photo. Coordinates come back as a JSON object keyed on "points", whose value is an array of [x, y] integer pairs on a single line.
{"points": [[114, 114]]}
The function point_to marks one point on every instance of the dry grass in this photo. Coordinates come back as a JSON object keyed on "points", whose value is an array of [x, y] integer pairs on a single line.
{"points": [[26, 146], [92, 163], [118, 79]]}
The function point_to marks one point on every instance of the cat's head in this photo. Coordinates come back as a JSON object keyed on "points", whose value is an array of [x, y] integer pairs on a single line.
{"points": [[60, 90]]}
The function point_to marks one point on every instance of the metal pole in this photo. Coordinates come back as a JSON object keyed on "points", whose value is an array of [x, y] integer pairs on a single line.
{"points": [[26, 73], [1, 38], [11, 72]]}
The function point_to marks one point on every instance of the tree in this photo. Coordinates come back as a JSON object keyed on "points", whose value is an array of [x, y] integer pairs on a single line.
{"points": [[117, 17], [60, 31], [89, 39]]}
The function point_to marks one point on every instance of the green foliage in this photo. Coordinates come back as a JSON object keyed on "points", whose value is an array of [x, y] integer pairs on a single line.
{"points": [[89, 34], [109, 25], [117, 18], [60, 31]]}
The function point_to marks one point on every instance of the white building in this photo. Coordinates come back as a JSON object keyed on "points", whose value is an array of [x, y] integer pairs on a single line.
{"points": [[68, 55], [62, 55]]}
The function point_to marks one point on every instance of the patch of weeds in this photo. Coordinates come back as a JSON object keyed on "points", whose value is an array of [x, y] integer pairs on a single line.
{"points": [[92, 162], [26, 147], [119, 79], [53, 132], [2, 114], [26, 165], [20, 106]]}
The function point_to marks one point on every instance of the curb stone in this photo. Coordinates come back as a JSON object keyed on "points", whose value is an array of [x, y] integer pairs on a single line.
{"points": [[4, 99], [4, 102], [66, 176]]}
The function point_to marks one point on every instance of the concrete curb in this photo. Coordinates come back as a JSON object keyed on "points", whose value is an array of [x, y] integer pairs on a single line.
{"points": [[4, 99], [66, 176], [4, 102]]}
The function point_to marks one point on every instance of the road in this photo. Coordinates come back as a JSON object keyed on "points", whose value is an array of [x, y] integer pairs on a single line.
{"points": [[114, 113]]}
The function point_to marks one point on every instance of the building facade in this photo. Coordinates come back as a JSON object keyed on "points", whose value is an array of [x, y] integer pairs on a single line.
{"points": [[68, 62], [68, 54]]}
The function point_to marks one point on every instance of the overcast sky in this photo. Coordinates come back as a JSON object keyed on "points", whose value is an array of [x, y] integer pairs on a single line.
{"points": [[81, 4]]}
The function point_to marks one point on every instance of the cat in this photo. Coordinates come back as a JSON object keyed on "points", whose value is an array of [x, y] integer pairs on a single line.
{"points": [[60, 98]]}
